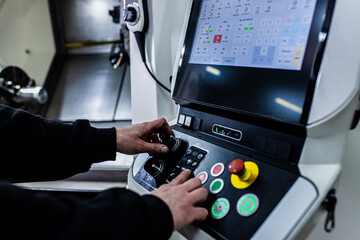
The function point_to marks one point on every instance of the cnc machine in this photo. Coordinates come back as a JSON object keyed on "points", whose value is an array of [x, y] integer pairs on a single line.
{"points": [[264, 111]]}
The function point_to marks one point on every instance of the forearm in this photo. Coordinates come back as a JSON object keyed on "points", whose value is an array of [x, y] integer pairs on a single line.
{"points": [[33, 148], [113, 214]]}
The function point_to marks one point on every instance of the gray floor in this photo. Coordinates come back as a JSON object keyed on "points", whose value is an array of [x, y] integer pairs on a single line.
{"points": [[89, 88]]}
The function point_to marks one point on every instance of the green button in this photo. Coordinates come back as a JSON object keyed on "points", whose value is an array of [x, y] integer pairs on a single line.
{"points": [[247, 205], [216, 186], [220, 208]]}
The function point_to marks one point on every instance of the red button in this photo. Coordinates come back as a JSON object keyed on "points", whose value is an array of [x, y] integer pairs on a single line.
{"points": [[203, 176], [237, 167], [217, 169]]}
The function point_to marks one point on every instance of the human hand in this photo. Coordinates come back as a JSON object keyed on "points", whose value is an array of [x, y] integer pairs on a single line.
{"points": [[182, 196], [143, 137]]}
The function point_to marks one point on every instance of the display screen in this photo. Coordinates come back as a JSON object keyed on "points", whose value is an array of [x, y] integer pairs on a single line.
{"points": [[256, 57], [253, 33]]}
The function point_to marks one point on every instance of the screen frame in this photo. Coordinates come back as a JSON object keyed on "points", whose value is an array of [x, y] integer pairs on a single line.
{"points": [[309, 70]]}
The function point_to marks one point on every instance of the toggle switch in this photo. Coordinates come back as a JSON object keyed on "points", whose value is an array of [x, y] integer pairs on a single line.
{"points": [[243, 174]]}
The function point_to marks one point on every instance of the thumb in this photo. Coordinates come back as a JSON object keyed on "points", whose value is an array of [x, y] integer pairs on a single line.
{"points": [[154, 148]]}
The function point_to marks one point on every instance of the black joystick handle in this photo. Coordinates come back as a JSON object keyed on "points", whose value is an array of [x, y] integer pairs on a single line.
{"points": [[174, 144]]}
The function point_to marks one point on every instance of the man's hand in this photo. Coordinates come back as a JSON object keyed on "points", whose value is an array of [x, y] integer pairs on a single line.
{"points": [[182, 196], [143, 137]]}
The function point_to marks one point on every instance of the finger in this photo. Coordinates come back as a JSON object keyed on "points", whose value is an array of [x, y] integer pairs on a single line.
{"points": [[200, 214], [192, 184], [153, 148], [155, 138], [162, 127], [199, 195], [183, 176]]}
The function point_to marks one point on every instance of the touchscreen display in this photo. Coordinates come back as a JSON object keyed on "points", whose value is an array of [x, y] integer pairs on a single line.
{"points": [[253, 33]]}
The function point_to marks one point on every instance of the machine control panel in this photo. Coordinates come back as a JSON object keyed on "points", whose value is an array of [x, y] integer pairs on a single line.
{"points": [[242, 190]]}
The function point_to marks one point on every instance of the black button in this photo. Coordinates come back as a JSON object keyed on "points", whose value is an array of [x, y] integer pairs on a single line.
{"points": [[183, 168], [174, 174], [195, 154], [189, 162], [189, 151], [194, 164], [183, 160], [200, 156]]}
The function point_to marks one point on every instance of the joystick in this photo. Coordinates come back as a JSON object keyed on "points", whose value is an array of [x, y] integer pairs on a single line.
{"points": [[174, 144], [243, 174], [160, 166]]}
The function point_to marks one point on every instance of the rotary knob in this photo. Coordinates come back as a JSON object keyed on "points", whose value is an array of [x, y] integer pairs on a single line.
{"points": [[174, 144]]}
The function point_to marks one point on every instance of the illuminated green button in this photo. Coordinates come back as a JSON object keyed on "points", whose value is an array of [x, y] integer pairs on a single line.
{"points": [[247, 205], [220, 208], [216, 186]]}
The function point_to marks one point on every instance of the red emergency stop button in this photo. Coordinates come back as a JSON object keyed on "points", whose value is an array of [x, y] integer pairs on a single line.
{"points": [[243, 174], [237, 167]]}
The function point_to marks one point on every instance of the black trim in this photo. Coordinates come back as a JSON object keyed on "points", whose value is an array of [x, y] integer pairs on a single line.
{"points": [[57, 26]]}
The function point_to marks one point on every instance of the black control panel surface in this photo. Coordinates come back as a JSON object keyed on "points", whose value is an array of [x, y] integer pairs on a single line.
{"points": [[233, 213]]}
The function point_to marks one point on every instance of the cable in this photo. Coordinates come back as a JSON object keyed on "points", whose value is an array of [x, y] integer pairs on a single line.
{"points": [[156, 80], [140, 36]]}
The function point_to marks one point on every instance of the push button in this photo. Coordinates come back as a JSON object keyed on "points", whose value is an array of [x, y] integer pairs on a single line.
{"points": [[189, 151], [247, 205], [216, 186], [200, 156], [243, 174], [194, 154], [181, 119], [220, 208], [188, 121], [203, 176], [194, 164], [217, 169]]}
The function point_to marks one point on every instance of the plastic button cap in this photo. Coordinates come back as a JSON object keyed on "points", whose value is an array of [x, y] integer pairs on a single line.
{"points": [[237, 166]]}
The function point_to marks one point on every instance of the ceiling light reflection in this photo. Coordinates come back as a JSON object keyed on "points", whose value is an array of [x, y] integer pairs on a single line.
{"points": [[288, 105], [213, 70]]}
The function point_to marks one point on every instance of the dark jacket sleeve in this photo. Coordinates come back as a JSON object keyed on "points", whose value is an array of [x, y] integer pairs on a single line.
{"points": [[35, 149], [112, 214]]}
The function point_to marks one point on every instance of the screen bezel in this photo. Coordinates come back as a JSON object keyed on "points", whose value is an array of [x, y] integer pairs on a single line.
{"points": [[305, 78]]}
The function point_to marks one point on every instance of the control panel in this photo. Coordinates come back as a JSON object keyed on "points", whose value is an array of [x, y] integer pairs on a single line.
{"points": [[243, 191]]}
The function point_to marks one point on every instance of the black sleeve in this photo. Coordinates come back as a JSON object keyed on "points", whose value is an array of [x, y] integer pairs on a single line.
{"points": [[35, 149], [113, 214]]}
